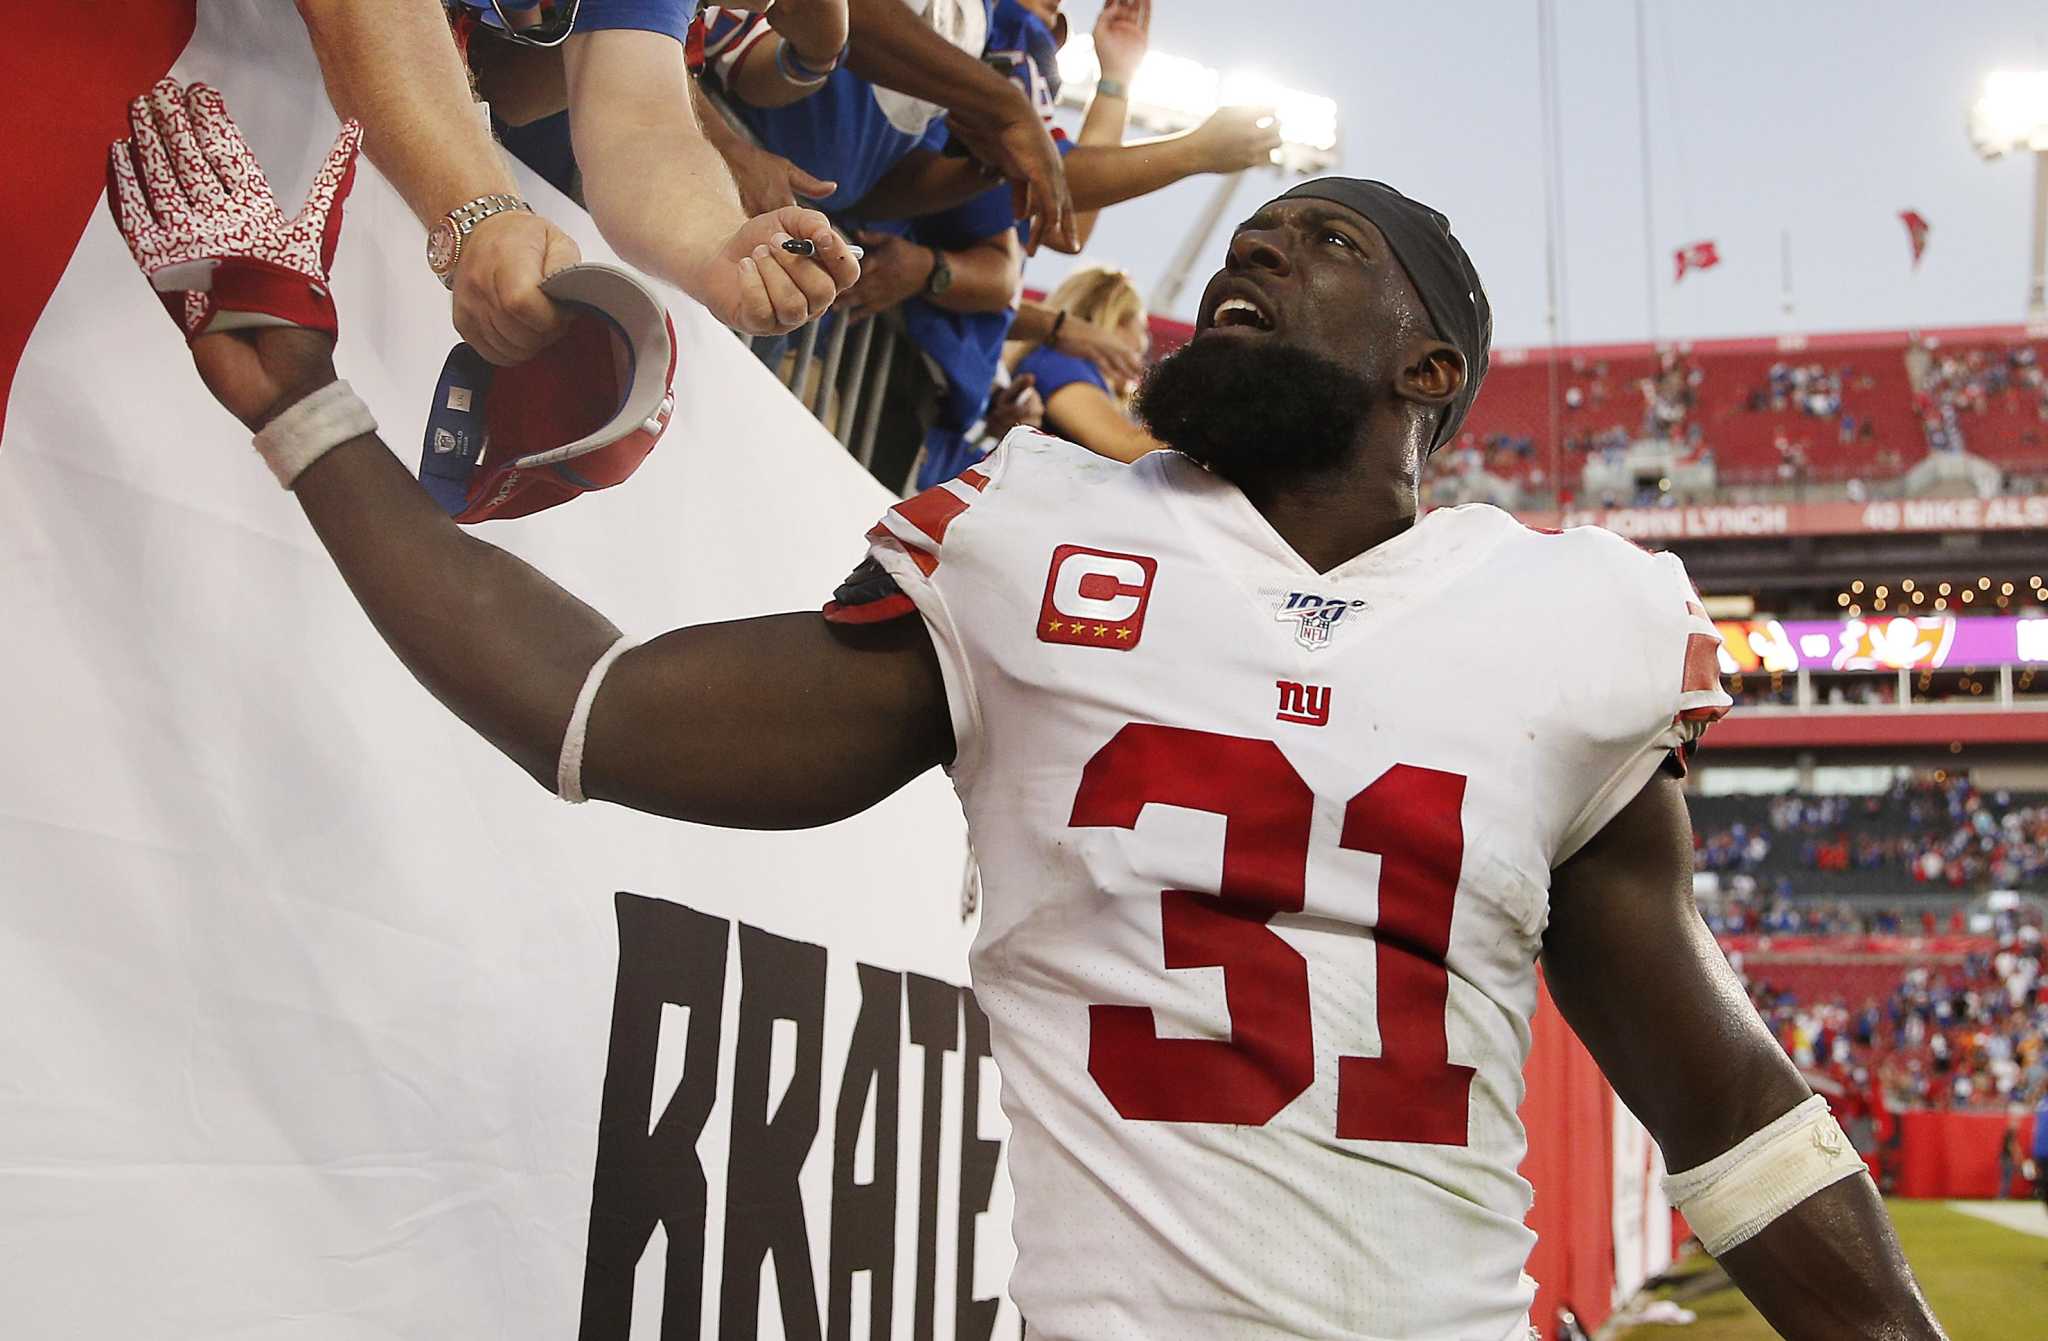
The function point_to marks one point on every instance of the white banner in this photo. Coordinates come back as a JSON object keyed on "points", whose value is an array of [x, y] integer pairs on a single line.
{"points": [[1642, 1215], [323, 1020]]}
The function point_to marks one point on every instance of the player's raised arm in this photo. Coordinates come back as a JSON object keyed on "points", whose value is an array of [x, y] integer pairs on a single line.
{"points": [[770, 723], [780, 722], [1766, 1179]]}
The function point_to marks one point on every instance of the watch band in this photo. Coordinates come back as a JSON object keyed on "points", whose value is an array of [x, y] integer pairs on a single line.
{"points": [[455, 227], [1111, 88], [941, 277]]}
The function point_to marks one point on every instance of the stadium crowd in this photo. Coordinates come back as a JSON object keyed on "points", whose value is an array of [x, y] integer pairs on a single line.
{"points": [[1939, 831], [1783, 915], [700, 138], [1968, 1035], [1949, 387], [1885, 1005]]}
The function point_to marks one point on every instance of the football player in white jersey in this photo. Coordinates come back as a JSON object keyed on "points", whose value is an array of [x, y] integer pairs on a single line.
{"points": [[1281, 792]]}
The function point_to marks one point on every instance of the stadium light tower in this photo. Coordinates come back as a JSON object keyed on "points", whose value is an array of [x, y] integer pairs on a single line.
{"points": [[1172, 94], [2009, 116]]}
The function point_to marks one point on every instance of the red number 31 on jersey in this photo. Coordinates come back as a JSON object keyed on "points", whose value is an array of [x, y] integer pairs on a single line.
{"points": [[1410, 816]]}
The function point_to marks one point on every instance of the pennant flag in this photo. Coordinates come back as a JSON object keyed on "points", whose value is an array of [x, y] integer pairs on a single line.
{"points": [[1698, 256], [1917, 229]]}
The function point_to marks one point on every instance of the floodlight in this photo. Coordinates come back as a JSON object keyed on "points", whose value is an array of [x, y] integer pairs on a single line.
{"points": [[1306, 119], [2011, 114], [1177, 86], [1172, 93], [1077, 62]]}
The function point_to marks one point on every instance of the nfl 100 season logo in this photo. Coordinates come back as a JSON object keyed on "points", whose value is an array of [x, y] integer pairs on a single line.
{"points": [[1315, 618]]}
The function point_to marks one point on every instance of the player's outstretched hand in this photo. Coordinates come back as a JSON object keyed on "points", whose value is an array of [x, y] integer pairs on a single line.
{"points": [[758, 286], [247, 286], [259, 373]]}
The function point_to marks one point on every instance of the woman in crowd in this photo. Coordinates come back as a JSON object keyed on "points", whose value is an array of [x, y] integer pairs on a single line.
{"points": [[1081, 405]]}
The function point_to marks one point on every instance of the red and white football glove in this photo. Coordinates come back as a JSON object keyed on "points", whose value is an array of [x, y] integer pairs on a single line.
{"points": [[200, 219]]}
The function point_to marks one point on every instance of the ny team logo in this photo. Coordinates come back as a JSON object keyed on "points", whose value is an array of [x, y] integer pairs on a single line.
{"points": [[1303, 704], [1314, 617], [1096, 598]]}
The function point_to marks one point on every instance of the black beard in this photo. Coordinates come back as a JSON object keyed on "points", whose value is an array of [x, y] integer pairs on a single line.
{"points": [[1254, 411]]}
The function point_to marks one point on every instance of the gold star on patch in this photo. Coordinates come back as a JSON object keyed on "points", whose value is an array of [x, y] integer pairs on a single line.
{"points": [[1123, 633], [1102, 630], [1053, 626]]}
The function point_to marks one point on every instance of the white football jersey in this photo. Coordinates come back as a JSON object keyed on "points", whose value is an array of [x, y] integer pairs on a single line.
{"points": [[1265, 857]]}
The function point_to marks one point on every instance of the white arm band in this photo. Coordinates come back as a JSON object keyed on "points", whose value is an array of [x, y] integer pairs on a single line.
{"points": [[569, 768], [1729, 1199], [311, 428]]}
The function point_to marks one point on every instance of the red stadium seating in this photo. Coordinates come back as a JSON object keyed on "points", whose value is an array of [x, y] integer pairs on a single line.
{"points": [[1554, 402], [1851, 981]]}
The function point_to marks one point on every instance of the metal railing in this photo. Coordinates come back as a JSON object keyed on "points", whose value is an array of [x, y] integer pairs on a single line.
{"points": [[842, 372]]}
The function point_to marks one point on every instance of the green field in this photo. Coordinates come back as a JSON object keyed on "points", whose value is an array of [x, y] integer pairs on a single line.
{"points": [[1986, 1282]]}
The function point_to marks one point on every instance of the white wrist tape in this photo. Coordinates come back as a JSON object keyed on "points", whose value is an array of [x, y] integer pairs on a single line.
{"points": [[312, 428], [569, 768], [1729, 1199]]}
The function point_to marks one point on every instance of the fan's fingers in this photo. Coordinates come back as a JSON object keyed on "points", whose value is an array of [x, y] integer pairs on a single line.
{"points": [[220, 139], [195, 175], [756, 309], [792, 308]]}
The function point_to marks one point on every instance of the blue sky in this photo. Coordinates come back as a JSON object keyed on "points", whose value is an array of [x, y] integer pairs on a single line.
{"points": [[1823, 119]]}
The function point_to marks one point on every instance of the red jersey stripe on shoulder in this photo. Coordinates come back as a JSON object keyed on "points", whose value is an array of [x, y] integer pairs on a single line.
{"points": [[1702, 663], [932, 511], [973, 477], [926, 561]]}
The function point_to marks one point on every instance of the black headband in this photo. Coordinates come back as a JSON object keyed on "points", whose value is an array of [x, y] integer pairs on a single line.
{"points": [[1443, 276]]}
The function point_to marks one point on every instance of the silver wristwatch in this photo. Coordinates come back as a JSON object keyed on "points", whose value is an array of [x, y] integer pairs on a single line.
{"points": [[445, 238]]}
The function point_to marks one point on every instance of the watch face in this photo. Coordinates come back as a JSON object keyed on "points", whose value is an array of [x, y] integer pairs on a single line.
{"points": [[441, 242], [941, 278]]}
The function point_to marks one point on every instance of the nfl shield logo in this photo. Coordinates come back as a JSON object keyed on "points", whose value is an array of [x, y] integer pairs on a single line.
{"points": [[1314, 617]]}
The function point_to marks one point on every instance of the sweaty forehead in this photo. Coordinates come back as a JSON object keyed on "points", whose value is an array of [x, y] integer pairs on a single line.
{"points": [[1309, 212], [1305, 212]]}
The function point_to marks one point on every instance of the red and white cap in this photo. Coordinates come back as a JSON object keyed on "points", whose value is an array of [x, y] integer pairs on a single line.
{"points": [[580, 415]]}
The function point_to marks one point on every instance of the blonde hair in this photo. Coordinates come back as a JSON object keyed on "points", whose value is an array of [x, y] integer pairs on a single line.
{"points": [[1101, 294]]}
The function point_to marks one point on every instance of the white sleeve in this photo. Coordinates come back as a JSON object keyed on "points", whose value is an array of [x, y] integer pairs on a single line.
{"points": [[929, 561], [1674, 652]]}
